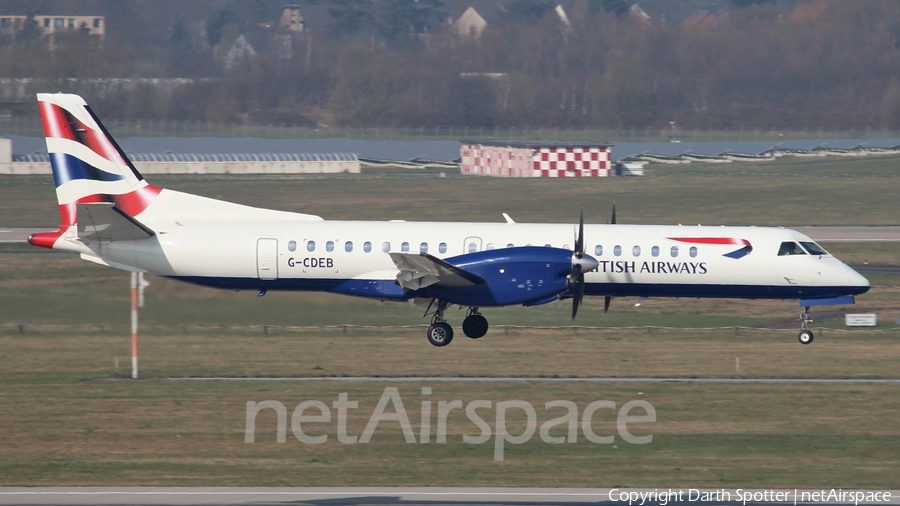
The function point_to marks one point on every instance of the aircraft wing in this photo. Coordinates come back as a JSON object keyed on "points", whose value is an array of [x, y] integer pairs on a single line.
{"points": [[419, 270], [103, 221]]}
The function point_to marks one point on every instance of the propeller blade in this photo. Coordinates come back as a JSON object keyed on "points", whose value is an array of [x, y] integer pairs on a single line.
{"points": [[614, 213], [579, 239], [606, 302], [578, 294]]}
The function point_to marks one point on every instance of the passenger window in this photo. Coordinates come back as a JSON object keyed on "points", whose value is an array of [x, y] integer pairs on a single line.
{"points": [[654, 251], [617, 250], [311, 246], [674, 251], [547, 246], [404, 247], [790, 248], [598, 250], [367, 246], [636, 251], [813, 248], [442, 247], [693, 251], [386, 247], [510, 245], [423, 248], [566, 246], [292, 246], [473, 247], [490, 246], [348, 246], [329, 246]]}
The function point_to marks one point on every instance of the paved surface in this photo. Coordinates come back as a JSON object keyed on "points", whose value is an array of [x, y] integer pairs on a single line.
{"points": [[851, 234], [19, 234], [822, 234], [447, 379], [406, 496]]}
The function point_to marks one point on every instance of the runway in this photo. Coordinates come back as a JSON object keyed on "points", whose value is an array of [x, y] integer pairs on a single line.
{"points": [[19, 234], [488, 379], [359, 496], [821, 234]]}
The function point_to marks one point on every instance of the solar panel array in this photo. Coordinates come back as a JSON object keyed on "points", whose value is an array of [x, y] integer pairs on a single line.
{"points": [[215, 157]]}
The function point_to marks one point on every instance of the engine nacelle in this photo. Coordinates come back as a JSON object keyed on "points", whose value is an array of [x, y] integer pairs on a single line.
{"points": [[513, 276]]}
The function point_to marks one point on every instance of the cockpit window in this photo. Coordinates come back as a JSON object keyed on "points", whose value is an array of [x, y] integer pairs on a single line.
{"points": [[813, 248], [790, 248]]}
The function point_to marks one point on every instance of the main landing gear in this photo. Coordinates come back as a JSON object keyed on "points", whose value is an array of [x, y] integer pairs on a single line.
{"points": [[805, 336], [440, 333], [475, 325]]}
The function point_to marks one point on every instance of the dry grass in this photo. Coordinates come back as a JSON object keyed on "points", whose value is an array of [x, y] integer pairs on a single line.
{"points": [[62, 428]]}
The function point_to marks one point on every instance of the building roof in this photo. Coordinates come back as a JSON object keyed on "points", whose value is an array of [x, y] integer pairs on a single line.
{"points": [[537, 144]]}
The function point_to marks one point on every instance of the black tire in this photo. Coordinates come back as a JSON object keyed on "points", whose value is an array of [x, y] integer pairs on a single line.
{"points": [[475, 326], [805, 337], [439, 334]]}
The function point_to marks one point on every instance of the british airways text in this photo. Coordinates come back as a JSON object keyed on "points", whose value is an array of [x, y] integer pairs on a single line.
{"points": [[622, 266]]}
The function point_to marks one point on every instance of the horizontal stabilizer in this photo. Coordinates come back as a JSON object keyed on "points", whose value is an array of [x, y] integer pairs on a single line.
{"points": [[103, 221], [422, 270]]}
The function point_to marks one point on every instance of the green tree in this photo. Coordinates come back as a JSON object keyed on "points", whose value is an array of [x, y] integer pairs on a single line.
{"points": [[216, 23], [351, 15], [529, 8], [743, 4], [30, 31], [396, 19], [617, 7]]}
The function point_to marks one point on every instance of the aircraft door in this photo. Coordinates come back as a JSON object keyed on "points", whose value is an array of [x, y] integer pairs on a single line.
{"points": [[267, 259], [472, 245]]}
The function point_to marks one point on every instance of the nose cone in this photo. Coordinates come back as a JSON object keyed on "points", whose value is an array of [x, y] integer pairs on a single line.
{"points": [[587, 262], [856, 281]]}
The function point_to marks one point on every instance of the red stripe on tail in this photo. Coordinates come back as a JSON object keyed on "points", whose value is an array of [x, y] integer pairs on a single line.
{"points": [[135, 202]]}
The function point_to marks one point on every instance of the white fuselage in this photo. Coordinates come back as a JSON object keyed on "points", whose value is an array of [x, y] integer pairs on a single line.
{"points": [[277, 250]]}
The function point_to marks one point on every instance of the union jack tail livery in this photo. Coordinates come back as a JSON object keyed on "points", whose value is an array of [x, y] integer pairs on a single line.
{"points": [[88, 166]]}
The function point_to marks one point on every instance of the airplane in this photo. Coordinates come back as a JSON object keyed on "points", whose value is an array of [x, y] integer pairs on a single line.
{"points": [[112, 216]]}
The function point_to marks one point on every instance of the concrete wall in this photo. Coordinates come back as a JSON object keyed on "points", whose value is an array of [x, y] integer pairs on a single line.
{"points": [[306, 167], [5, 151]]}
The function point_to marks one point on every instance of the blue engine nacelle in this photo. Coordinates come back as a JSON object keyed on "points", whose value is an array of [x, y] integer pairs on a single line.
{"points": [[524, 275]]}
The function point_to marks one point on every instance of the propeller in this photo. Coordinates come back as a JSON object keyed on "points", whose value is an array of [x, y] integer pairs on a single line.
{"points": [[607, 300], [581, 263]]}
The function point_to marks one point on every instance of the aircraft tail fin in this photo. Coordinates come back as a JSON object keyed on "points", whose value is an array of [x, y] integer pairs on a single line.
{"points": [[88, 165]]}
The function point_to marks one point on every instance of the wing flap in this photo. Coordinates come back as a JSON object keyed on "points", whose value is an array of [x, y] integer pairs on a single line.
{"points": [[103, 221], [422, 270]]}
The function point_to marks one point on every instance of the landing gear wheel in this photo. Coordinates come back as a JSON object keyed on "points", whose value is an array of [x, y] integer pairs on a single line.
{"points": [[475, 326], [805, 337], [439, 333]]}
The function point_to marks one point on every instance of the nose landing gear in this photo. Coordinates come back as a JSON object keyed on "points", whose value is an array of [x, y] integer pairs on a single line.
{"points": [[805, 336]]}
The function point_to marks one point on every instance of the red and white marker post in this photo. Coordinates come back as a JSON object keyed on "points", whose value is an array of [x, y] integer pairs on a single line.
{"points": [[134, 325]]}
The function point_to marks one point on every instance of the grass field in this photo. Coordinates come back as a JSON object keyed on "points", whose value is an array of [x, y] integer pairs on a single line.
{"points": [[69, 417], [790, 193], [62, 424]]}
